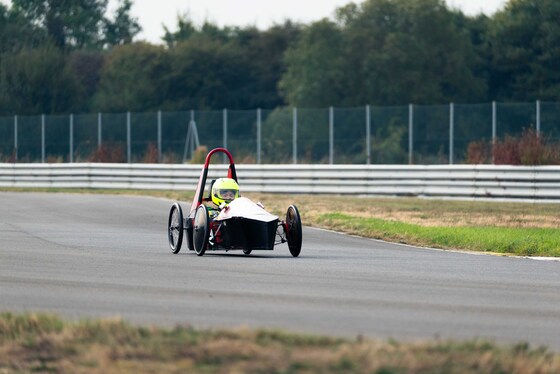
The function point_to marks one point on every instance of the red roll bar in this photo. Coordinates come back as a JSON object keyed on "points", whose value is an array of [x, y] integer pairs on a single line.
{"points": [[202, 180]]}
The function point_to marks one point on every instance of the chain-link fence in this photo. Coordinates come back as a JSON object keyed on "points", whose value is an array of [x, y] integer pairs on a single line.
{"points": [[415, 134]]}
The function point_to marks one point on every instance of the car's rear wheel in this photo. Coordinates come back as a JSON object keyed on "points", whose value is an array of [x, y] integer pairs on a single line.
{"points": [[175, 228], [293, 230], [201, 230], [247, 251]]}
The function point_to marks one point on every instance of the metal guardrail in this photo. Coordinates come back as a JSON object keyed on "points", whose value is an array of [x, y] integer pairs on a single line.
{"points": [[537, 183]]}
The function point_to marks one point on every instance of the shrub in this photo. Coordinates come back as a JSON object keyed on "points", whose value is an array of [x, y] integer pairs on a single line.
{"points": [[152, 154], [479, 152], [506, 152], [535, 150], [530, 149], [199, 155], [108, 152]]}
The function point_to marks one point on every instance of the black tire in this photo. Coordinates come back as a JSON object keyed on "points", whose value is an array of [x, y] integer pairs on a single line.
{"points": [[175, 228], [201, 230], [293, 233], [247, 251]]}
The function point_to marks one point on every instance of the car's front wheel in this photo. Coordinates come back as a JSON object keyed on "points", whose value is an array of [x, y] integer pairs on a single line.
{"points": [[201, 230]]}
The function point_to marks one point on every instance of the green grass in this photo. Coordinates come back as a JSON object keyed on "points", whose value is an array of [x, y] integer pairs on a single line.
{"points": [[518, 241], [45, 343]]}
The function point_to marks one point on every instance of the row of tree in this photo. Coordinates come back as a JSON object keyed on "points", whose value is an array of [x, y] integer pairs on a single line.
{"points": [[61, 56]]}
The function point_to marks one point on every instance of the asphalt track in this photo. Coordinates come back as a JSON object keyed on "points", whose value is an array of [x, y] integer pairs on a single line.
{"points": [[105, 256]]}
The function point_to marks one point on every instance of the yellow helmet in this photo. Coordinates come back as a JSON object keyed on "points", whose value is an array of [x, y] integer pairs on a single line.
{"points": [[224, 190]]}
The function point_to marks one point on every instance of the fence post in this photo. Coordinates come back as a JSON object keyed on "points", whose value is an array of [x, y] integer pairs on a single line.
{"points": [[494, 129], [259, 124], [99, 129], [71, 154], [42, 138], [538, 117], [451, 131], [368, 135], [331, 135], [159, 136], [410, 132], [294, 135], [128, 138], [16, 138]]}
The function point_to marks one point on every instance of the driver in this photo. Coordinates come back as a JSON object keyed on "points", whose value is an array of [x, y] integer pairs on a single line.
{"points": [[224, 191]]}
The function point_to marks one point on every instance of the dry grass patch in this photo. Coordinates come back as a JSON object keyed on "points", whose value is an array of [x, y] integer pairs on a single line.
{"points": [[116, 346], [425, 212]]}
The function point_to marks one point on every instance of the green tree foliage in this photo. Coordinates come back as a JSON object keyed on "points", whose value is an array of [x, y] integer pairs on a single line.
{"points": [[525, 40], [477, 28], [79, 24], [380, 52], [69, 23], [383, 52], [36, 78], [315, 67], [86, 66], [34, 81], [185, 30], [131, 78], [206, 74], [264, 51], [237, 68], [123, 28], [16, 32]]}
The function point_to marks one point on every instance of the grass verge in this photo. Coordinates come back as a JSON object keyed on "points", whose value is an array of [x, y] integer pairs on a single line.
{"points": [[524, 229], [45, 343], [506, 240]]}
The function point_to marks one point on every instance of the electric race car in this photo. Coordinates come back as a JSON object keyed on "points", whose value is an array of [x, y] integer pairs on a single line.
{"points": [[239, 225]]}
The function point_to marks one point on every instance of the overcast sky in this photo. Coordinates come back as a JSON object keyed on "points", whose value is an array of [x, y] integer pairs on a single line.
{"points": [[152, 14]]}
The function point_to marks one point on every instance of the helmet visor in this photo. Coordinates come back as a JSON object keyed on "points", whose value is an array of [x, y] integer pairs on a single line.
{"points": [[227, 193]]}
